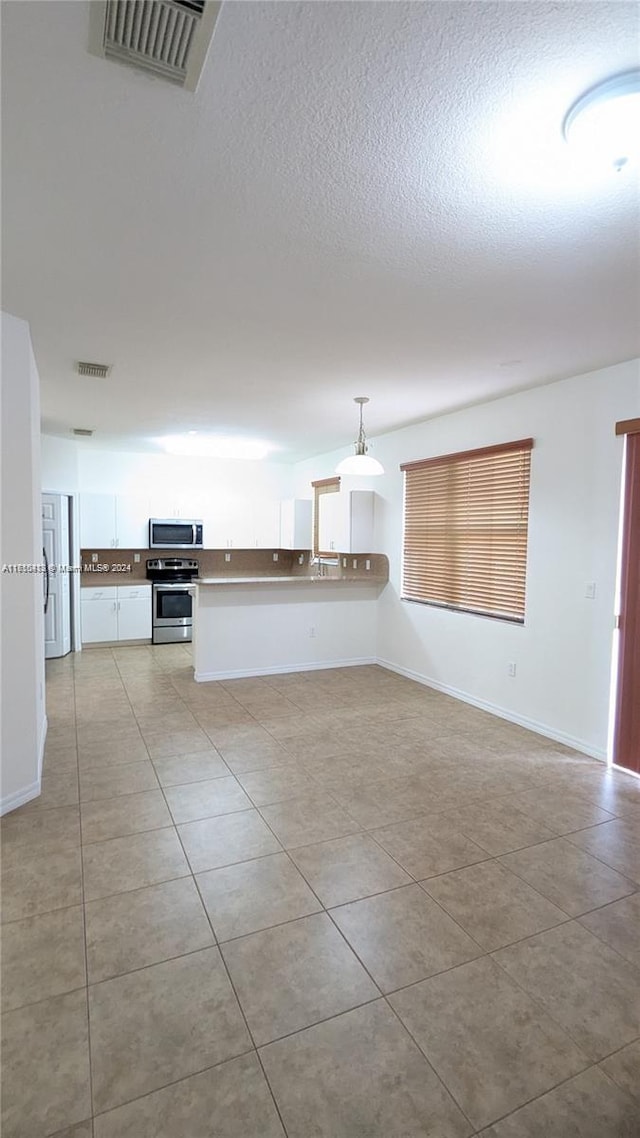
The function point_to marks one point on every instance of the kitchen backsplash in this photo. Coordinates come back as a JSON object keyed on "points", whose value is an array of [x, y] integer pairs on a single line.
{"points": [[118, 566]]}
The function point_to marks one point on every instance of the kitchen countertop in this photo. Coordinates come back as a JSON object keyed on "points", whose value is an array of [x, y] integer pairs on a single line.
{"points": [[300, 579]]}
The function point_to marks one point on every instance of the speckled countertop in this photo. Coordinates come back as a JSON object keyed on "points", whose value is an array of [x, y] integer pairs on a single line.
{"points": [[359, 579]]}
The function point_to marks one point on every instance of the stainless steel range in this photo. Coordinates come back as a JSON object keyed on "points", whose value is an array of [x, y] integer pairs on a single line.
{"points": [[172, 598]]}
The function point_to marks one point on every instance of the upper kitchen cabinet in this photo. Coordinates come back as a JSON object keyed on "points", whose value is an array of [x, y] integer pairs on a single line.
{"points": [[242, 524], [345, 522], [296, 530], [112, 521]]}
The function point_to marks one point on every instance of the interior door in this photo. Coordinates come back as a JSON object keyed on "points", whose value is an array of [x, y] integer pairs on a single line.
{"points": [[56, 599], [626, 737]]}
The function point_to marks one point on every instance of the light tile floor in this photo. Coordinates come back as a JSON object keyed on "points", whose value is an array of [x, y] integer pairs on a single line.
{"points": [[325, 905]]}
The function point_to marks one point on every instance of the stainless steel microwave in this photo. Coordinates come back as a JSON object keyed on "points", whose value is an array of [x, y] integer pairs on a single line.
{"points": [[175, 533]]}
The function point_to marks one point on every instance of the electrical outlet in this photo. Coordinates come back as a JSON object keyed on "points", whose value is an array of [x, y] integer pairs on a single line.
{"points": [[301, 559], [367, 564], [136, 558], [511, 668], [275, 557], [227, 557], [355, 563], [590, 590], [312, 632], [344, 563], [94, 558]]}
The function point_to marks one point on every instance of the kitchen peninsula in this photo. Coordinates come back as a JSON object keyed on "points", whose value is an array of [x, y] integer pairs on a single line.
{"points": [[251, 626]]}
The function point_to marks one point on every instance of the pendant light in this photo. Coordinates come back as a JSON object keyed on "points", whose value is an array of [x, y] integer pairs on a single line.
{"points": [[360, 463]]}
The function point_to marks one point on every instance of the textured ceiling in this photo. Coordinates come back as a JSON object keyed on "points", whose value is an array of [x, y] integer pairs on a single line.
{"points": [[360, 198]]}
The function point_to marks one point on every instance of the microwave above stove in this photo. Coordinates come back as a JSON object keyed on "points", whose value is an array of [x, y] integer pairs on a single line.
{"points": [[175, 533]]}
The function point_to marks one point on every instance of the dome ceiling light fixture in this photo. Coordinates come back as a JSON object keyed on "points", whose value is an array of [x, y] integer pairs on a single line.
{"points": [[603, 125], [360, 463]]}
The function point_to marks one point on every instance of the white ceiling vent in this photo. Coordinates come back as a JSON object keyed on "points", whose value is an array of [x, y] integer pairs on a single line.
{"points": [[169, 38], [96, 371]]}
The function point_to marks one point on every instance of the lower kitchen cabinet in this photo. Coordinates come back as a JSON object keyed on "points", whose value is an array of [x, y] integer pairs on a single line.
{"points": [[117, 612]]}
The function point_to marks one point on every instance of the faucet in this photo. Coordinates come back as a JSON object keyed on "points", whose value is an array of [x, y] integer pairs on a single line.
{"points": [[322, 565]]}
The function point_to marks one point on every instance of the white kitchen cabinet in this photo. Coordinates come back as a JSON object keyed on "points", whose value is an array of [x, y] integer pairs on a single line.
{"points": [[99, 615], [242, 523], [117, 612], [114, 521], [345, 522], [296, 528]]}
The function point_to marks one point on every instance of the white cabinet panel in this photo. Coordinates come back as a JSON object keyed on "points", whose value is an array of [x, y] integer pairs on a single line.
{"points": [[99, 615], [266, 524], [97, 521], [345, 522], [134, 618], [116, 613], [132, 522], [109, 521], [296, 531]]}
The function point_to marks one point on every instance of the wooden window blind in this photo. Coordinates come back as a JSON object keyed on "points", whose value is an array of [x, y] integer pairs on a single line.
{"points": [[465, 530], [322, 486]]}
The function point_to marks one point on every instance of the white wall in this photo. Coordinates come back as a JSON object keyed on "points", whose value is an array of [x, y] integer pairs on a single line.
{"points": [[563, 651], [59, 465], [122, 472], [22, 680]]}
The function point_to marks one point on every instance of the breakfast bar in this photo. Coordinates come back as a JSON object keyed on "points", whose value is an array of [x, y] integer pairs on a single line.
{"points": [[253, 626]]}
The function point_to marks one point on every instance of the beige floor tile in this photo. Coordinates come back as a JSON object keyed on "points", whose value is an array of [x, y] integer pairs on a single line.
{"points": [[252, 755], [175, 1018], [403, 936], [42, 830], [162, 746], [198, 766], [107, 752], [206, 799], [492, 904], [38, 881], [348, 868], [59, 788], [623, 1068], [109, 782], [255, 895], [132, 930], [127, 814], [611, 790], [228, 1101], [562, 810], [584, 985], [618, 925], [491, 1045], [567, 876], [359, 1075], [587, 1106], [132, 862], [616, 843], [45, 1067], [428, 846], [276, 784], [312, 975], [82, 1130], [497, 827], [42, 956], [311, 818], [214, 842], [388, 802]]}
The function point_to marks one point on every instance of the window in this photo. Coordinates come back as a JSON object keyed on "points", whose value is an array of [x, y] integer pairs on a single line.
{"points": [[465, 530], [322, 486]]}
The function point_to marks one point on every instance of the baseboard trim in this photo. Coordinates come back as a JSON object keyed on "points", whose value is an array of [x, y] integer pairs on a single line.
{"points": [[43, 738], [501, 712], [20, 797], [315, 666]]}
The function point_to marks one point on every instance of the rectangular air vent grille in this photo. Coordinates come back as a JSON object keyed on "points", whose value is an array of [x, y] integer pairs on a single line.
{"points": [[96, 371], [82, 431], [168, 38]]}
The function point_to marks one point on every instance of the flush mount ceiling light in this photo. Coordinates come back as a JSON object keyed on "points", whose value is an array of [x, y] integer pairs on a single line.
{"points": [[604, 124], [215, 446], [360, 462]]}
